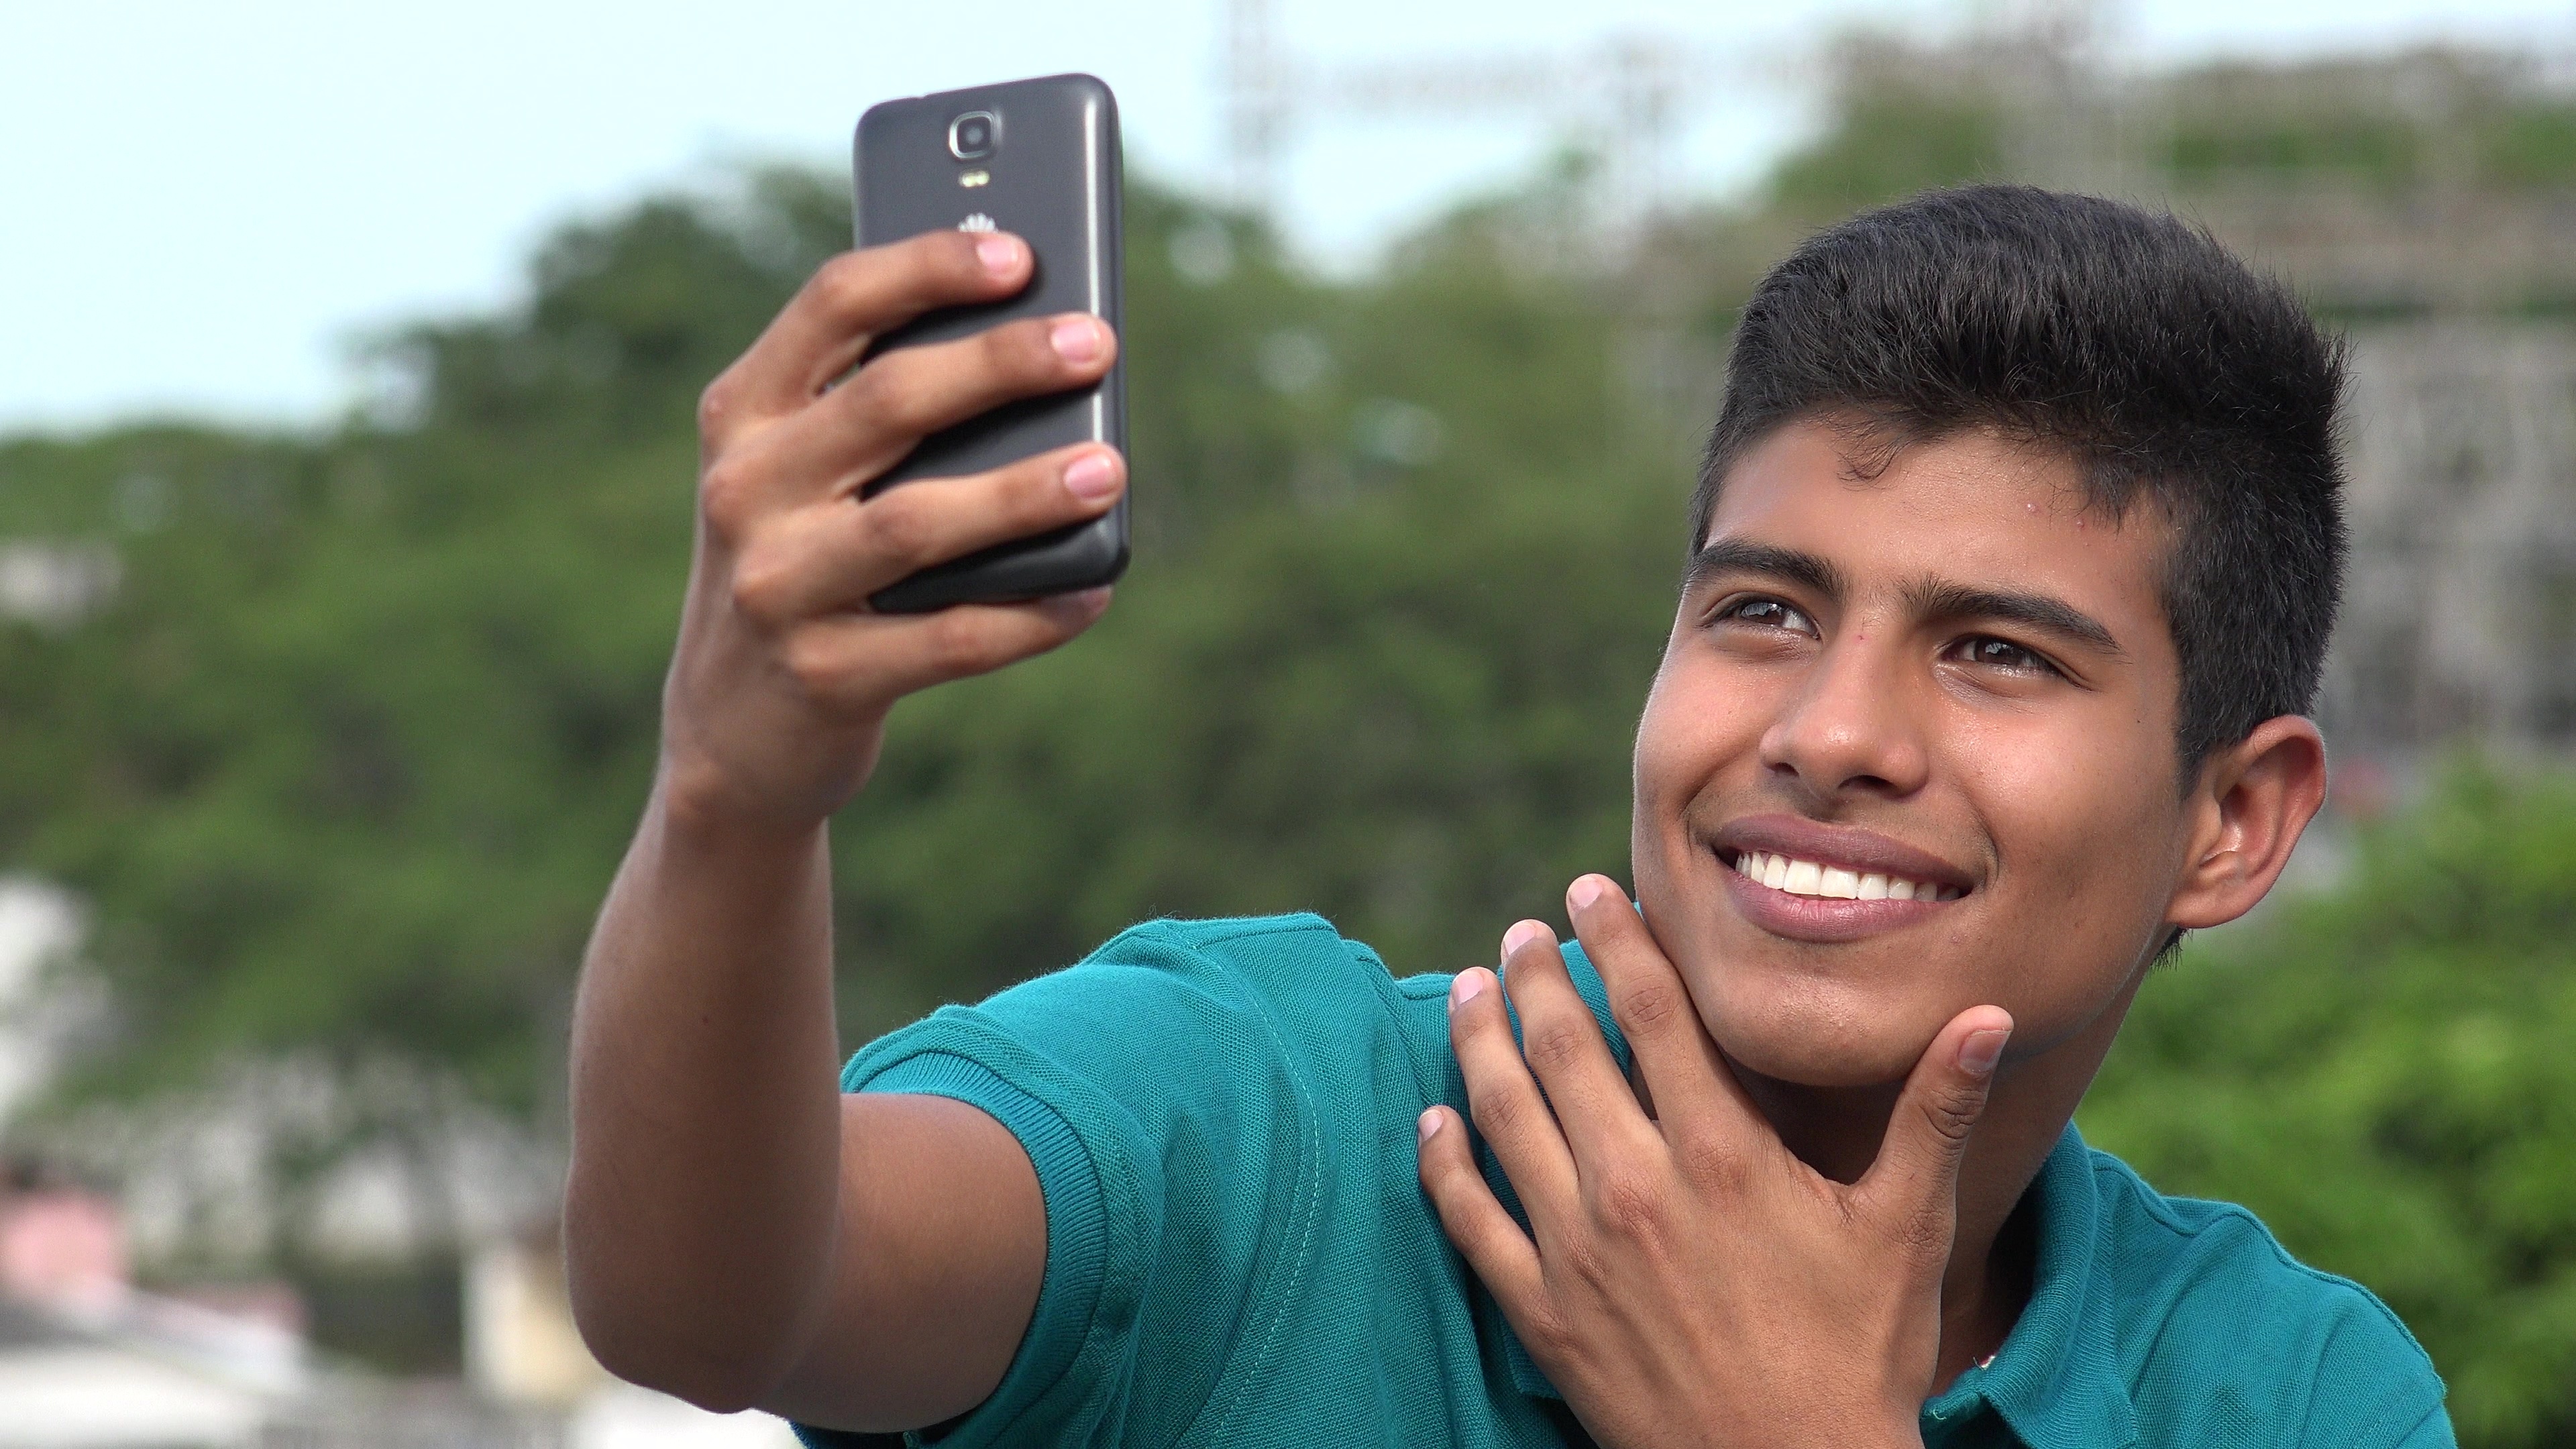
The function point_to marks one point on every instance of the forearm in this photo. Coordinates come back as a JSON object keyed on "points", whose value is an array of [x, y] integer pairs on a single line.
{"points": [[714, 1248], [705, 1118]]}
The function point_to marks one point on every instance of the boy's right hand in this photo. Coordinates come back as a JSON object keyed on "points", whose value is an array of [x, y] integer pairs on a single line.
{"points": [[782, 678]]}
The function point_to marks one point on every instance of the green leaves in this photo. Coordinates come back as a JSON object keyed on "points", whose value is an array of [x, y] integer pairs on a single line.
{"points": [[345, 768], [2381, 1072]]}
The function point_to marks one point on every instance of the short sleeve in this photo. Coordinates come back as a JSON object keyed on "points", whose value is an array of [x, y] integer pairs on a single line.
{"points": [[2433, 1431], [1169, 1136], [2372, 1383]]}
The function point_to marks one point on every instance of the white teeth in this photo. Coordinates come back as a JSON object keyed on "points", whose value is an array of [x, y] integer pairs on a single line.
{"points": [[1811, 878]]}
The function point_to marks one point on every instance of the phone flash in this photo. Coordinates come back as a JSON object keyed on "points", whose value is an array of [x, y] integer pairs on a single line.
{"points": [[973, 178]]}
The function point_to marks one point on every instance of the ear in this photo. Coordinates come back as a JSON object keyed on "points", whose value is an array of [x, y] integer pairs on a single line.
{"points": [[2247, 811]]}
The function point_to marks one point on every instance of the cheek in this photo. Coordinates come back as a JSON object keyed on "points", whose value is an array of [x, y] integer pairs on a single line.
{"points": [[2081, 831], [1700, 718]]}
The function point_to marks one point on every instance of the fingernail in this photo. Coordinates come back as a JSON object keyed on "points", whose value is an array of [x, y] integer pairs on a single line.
{"points": [[999, 254], [1978, 1054], [1585, 891], [1091, 477], [1076, 339], [1521, 935], [1467, 987], [1428, 1125]]}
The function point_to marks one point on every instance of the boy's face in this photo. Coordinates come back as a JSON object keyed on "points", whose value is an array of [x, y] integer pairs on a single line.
{"points": [[1949, 676]]}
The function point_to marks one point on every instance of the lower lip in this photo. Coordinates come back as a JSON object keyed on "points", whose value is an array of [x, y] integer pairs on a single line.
{"points": [[1823, 918]]}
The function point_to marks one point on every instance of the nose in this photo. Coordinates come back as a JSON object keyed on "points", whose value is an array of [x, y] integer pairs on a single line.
{"points": [[1850, 729]]}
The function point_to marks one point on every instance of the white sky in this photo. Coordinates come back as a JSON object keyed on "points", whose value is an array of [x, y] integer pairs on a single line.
{"points": [[202, 204]]}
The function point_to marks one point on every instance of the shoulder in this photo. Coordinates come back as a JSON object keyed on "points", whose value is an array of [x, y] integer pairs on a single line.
{"points": [[2219, 1319], [1262, 951], [1240, 997], [1295, 968]]}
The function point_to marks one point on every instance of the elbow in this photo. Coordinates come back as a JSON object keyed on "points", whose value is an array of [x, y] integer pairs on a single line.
{"points": [[665, 1348], [716, 1381]]}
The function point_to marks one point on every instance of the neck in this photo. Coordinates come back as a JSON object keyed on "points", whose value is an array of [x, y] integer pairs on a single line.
{"points": [[1837, 1131]]}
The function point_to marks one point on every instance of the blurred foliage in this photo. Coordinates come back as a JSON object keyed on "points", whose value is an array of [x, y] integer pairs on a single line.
{"points": [[343, 766], [1890, 141], [2435, 120], [2382, 1072]]}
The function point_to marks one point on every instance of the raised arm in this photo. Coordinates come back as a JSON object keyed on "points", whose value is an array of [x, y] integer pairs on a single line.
{"points": [[739, 1233]]}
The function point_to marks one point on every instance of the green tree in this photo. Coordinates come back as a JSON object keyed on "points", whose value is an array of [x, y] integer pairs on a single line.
{"points": [[2381, 1072], [343, 769]]}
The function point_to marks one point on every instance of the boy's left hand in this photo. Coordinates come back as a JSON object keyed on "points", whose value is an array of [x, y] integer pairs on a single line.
{"points": [[1691, 1281]]}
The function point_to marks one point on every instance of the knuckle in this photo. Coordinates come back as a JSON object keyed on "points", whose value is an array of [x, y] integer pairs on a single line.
{"points": [[1546, 1334], [909, 398], [845, 286], [728, 497], [1583, 1261], [1953, 1115], [900, 526], [1552, 1044], [812, 659], [1497, 1113], [759, 590], [1649, 1006], [1629, 1205], [717, 403], [879, 395], [1709, 1161], [967, 642]]}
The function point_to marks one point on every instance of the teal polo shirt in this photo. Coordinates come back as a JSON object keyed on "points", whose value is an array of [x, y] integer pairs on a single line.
{"points": [[1239, 1252]]}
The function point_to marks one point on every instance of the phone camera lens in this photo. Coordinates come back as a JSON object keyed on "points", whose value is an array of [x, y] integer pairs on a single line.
{"points": [[974, 135]]}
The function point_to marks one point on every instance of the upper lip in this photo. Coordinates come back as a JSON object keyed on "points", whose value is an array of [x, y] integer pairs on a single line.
{"points": [[1861, 851]]}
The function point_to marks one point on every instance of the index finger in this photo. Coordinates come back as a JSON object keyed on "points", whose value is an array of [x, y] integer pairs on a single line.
{"points": [[849, 302], [1690, 1084]]}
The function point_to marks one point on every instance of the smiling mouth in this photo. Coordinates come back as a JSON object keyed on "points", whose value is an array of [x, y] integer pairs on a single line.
{"points": [[1793, 876]]}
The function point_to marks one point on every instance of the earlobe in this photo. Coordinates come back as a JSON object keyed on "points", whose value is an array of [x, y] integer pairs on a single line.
{"points": [[2252, 803]]}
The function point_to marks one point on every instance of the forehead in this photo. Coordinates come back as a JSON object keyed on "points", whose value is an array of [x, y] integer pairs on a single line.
{"points": [[1970, 509]]}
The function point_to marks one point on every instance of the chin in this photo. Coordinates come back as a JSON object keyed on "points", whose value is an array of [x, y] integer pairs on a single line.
{"points": [[1807, 1039]]}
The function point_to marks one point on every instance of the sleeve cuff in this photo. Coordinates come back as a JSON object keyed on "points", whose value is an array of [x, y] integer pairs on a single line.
{"points": [[1077, 1229], [1069, 1295]]}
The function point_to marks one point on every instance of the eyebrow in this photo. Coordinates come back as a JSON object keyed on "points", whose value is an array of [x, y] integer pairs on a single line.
{"points": [[1945, 599], [1742, 556], [1934, 598]]}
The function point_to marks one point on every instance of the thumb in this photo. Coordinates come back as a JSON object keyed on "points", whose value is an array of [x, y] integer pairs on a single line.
{"points": [[1918, 1161]]}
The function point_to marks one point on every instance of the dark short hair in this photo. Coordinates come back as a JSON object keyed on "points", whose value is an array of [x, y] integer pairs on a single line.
{"points": [[2129, 340]]}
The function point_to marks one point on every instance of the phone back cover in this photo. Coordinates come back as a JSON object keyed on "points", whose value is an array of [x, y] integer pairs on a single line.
{"points": [[1053, 180]]}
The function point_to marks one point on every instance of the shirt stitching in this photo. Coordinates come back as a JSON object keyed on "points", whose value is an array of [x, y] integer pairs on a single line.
{"points": [[1310, 1171], [1090, 1331], [1196, 936], [2157, 1206], [2386, 1416]]}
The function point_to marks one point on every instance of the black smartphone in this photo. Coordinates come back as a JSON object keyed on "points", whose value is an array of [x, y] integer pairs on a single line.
{"points": [[1037, 158]]}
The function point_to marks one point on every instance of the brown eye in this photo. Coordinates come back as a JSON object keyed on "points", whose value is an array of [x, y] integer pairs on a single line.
{"points": [[2002, 654], [1769, 614]]}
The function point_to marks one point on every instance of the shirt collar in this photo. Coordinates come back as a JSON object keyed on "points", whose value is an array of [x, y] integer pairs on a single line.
{"points": [[2057, 1378]]}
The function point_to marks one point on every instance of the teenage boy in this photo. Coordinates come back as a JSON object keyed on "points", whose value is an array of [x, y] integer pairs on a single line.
{"points": [[2012, 566]]}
